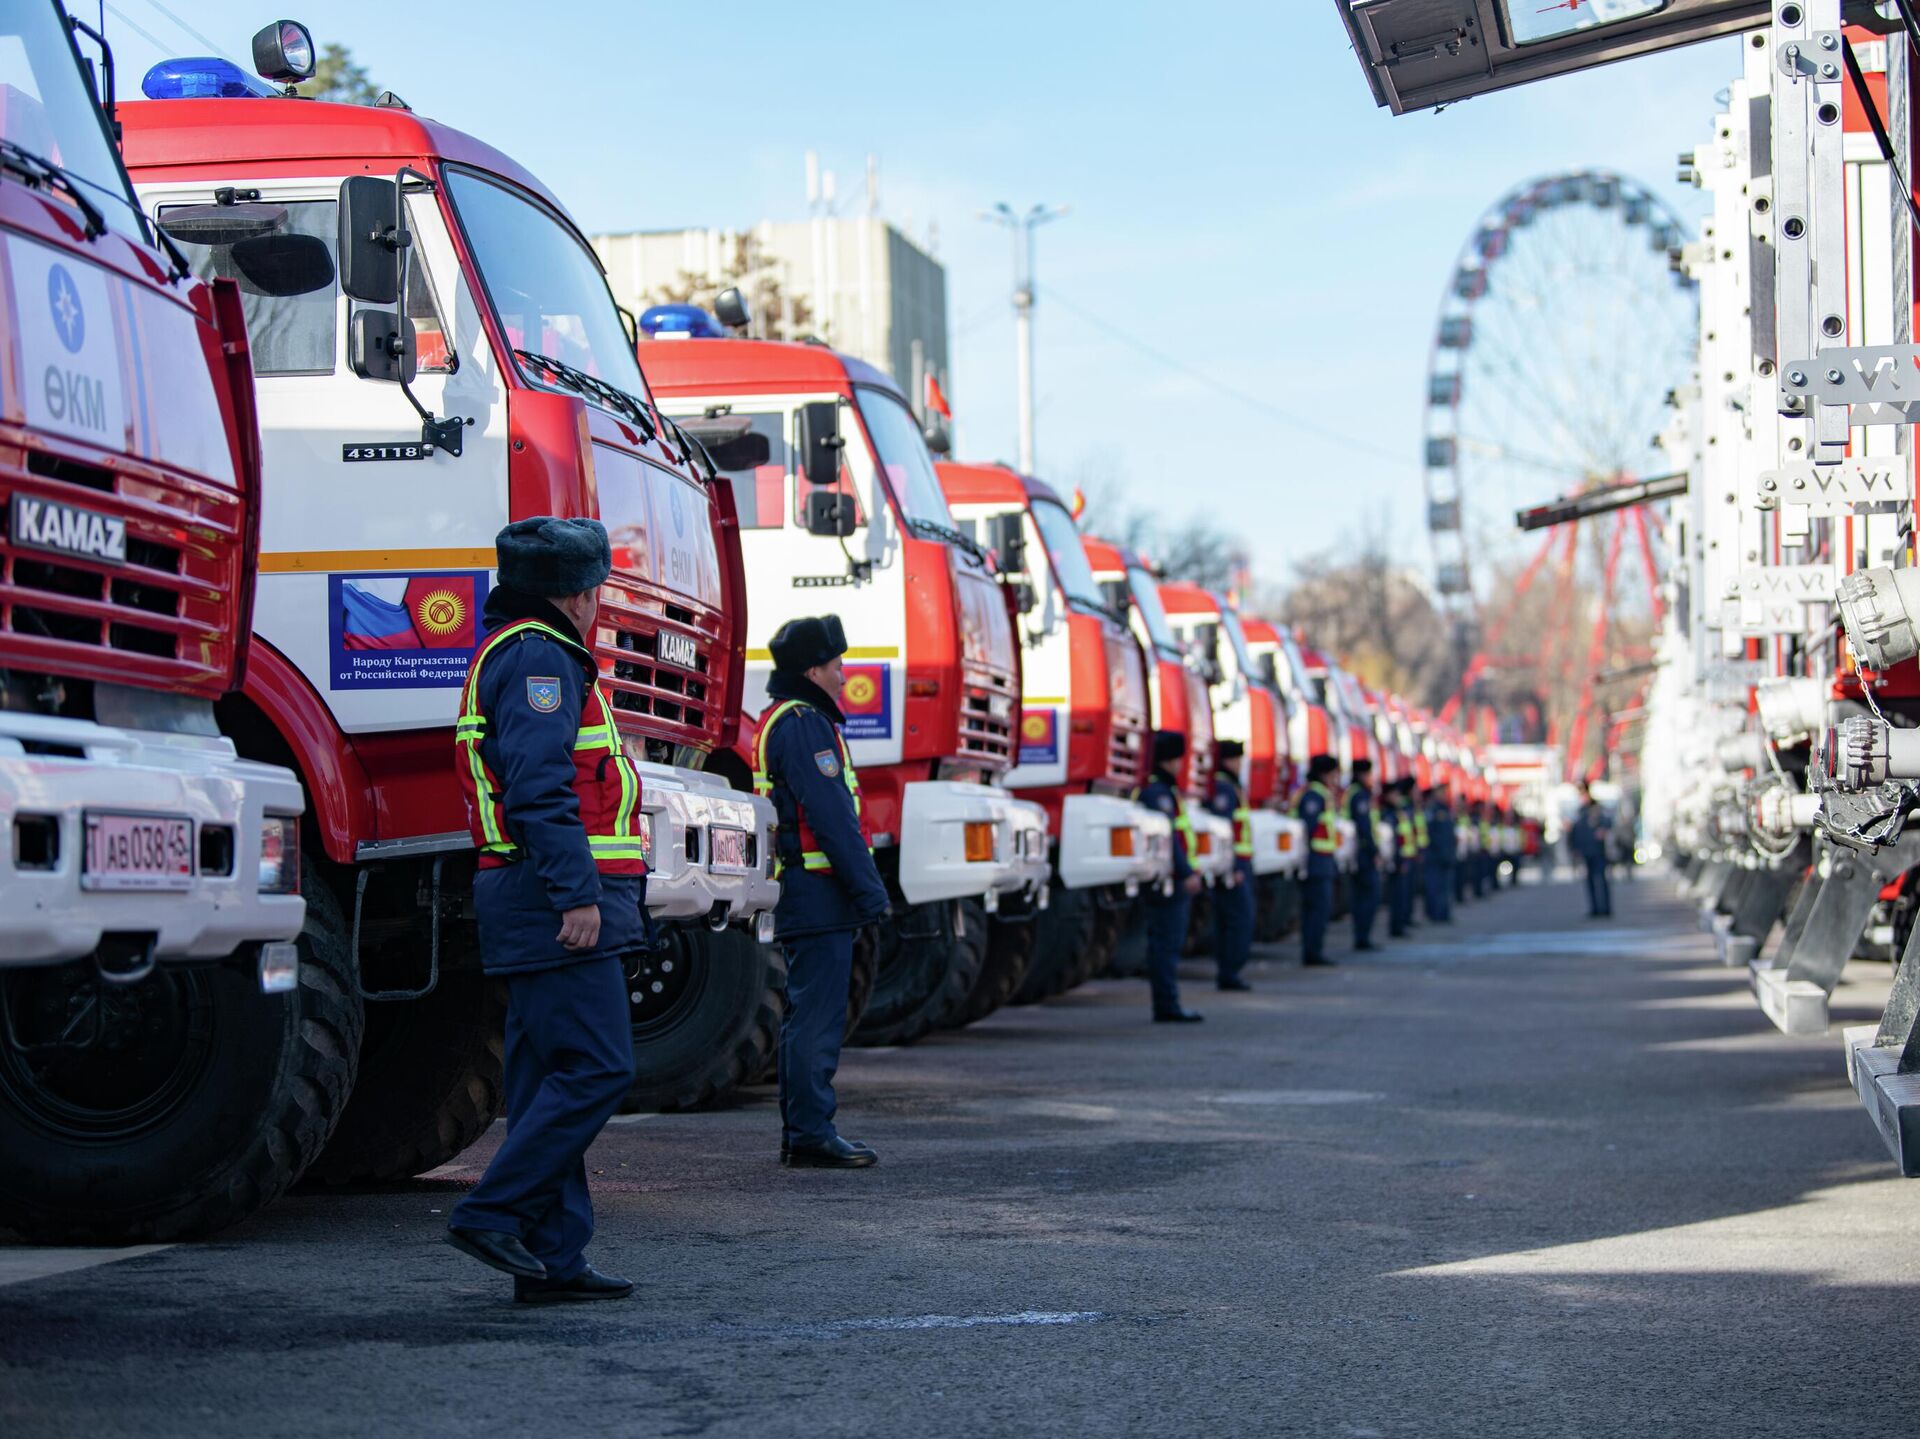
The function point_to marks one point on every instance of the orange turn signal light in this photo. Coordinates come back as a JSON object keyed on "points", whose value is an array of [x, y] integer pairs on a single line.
{"points": [[1206, 843], [979, 840], [1120, 843], [1286, 841]]}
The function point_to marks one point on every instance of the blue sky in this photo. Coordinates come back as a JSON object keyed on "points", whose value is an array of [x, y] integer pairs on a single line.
{"points": [[1238, 204]]}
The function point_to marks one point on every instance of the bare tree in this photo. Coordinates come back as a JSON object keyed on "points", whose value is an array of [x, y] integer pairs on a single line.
{"points": [[777, 315]]}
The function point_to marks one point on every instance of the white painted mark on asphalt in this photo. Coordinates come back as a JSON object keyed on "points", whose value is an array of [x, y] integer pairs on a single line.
{"points": [[631, 1118], [17, 1266], [1305, 1097], [954, 1321]]}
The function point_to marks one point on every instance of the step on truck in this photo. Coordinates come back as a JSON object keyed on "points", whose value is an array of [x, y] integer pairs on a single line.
{"points": [[1085, 738], [841, 512], [1248, 709], [467, 367], [149, 875]]}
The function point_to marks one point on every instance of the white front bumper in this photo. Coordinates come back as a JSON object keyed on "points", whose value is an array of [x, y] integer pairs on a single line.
{"points": [[46, 917], [1279, 844], [934, 815], [1217, 861], [680, 803], [1089, 825]]}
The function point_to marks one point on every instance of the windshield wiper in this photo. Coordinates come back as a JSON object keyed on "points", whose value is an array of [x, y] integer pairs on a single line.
{"points": [[43, 171], [611, 396], [946, 532]]}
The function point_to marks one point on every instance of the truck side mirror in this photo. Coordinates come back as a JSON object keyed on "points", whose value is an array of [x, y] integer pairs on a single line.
{"points": [[380, 347], [938, 436], [820, 448], [370, 239], [830, 513], [1008, 539]]}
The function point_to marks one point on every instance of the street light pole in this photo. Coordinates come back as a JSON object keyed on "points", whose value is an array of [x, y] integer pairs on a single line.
{"points": [[1021, 228]]}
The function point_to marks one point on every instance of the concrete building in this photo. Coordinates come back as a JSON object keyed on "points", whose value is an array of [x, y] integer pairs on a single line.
{"points": [[867, 289]]}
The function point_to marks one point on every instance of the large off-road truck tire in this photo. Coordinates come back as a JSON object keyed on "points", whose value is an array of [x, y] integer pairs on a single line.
{"points": [[200, 1102], [706, 1017], [1130, 953], [1063, 936], [1276, 907], [929, 960], [432, 1078], [1109, 917], [1011, 945]]}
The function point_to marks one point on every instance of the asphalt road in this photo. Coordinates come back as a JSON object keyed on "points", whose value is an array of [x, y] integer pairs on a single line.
{"points": [[1529, 1175]]}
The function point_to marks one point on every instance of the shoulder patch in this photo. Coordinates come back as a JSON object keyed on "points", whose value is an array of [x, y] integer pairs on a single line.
{"points": [[543, 693], [828, 762]]}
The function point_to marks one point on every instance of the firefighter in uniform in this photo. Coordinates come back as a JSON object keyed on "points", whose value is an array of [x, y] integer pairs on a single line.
{"points": [[1167, 912], [829, 887], [1366, 878], [1233, 906], [1423, 861], [1406, 853], [1441, 856], [1314, 809], [554, 808]]}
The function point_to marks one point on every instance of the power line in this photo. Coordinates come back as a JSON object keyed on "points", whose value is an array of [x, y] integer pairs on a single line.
{"points": [[134, 25], [155, 4], [1173, 362]]}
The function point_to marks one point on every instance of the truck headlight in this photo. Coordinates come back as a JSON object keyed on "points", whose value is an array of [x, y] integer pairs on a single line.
{"points": [[280, 854], [1878, 607]]}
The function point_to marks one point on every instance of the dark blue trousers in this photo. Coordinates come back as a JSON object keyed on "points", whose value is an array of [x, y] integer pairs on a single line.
{"points": [[818, 970], [569, 1063], [1399, 900], [1316, 908], [1439, 890], [1599, 894], [1166, 933], [1233, 923], [1366, 898]]}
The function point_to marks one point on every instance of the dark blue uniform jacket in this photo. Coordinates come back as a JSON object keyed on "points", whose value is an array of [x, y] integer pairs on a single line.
{"points": [[531, 755], [1443, 847], [1360, 811], [1319, 866], [1161, 793], [803, 761]]}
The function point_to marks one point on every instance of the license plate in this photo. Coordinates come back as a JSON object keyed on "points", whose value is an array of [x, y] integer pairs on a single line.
{"points": [[676, 649], [727, 848], [68, 530], [138, 851]]}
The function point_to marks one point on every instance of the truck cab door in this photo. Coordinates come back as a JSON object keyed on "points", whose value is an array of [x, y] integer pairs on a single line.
{"points": [[1423, 53]]}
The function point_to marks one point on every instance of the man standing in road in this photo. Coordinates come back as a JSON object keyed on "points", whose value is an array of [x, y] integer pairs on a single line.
{"points": [[1167, 913], [1233, 904], [1366, 878], [1442, 855], [1315, 811], [1589, 841], [829, 886], [1406, 852], [554, 808]]}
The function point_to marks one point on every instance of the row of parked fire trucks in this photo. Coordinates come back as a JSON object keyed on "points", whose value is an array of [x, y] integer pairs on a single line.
{"points": [[1780, 757], [276, 371]]}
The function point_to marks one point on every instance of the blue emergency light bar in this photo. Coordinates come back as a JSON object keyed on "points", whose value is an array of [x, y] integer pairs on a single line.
{"points": [[680, 322], [201, 77]]}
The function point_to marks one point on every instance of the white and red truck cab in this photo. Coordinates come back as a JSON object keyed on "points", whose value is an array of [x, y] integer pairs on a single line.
{"points": [[1245, 708], [136, 845], [1180, 700], [1277, 659], [469, 367], [841, 511], [1085, 731]]}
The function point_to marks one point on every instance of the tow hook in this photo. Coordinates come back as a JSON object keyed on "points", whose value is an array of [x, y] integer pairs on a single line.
{"points": [[124, 958], [718, 916]]}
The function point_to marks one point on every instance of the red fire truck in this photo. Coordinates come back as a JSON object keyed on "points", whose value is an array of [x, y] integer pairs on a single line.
{"points": [[841, 511], [468, 368], [1085, 734], [149, 875]]}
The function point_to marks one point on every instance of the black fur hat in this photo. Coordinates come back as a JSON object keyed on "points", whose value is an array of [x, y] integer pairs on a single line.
{"points": [[799, 645], [552, 557], [1168, 746]]}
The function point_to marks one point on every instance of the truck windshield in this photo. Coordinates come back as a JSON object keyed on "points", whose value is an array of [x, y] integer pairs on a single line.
{"points": [[47, 117], [904, 459], [1146, 598], [1067, 553], [1230, 622], [546, 287]]}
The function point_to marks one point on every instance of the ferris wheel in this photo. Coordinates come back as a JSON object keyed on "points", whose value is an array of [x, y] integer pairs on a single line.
{"points": [[1562, 332]]}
